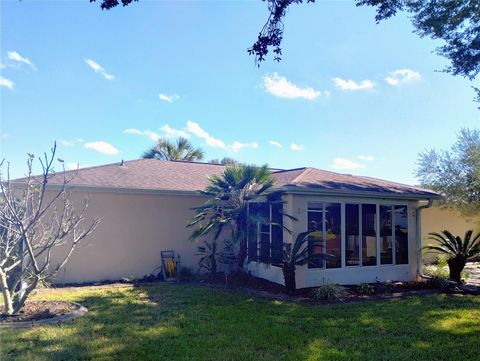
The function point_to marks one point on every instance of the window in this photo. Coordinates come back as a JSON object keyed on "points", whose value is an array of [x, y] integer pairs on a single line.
{"points": [[368, 229], [315, 224], [386, 235], [333, 233], [369, 235], [352, 235], [252, 232], [277, 233], [266, 236], [325, 218], [401, 234]]}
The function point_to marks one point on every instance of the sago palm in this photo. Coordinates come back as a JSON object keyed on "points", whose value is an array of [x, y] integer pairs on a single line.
{"points": [[181, 149], [459, 251], [300, 253]]}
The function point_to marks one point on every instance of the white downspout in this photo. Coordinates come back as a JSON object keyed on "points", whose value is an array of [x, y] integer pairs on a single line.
{"points": [[418, 219]]}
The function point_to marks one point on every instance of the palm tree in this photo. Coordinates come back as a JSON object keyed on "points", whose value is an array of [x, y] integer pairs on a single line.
{"points": [[227, 207], [459, 251], [181, 149]]}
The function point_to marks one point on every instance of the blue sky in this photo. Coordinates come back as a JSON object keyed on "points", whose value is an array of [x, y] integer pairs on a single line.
{"points": [[349, 95]]}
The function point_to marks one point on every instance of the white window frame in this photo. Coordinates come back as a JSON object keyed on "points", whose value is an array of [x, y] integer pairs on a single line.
{"points": [[360, 203]]}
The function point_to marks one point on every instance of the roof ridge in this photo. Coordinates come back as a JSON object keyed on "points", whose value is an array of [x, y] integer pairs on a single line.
{"points": [[280, 170], [305, 171]]}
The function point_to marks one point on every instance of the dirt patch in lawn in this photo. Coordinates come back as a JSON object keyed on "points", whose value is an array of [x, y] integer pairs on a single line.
{"points": [[40, 310]]}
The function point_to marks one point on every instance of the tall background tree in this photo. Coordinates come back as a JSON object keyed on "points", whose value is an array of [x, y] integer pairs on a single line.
{"points": [[180, 149], [33, 223], [454, 172], [224, 161]]}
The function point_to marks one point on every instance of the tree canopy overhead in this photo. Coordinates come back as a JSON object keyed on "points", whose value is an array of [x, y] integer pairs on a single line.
{"points": [[454, 172], [456, 22]]}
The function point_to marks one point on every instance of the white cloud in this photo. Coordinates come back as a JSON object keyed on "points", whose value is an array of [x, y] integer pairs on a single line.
{"points": [[13, 55], [169, 132], [152, 135], [168, 98], [366, 157], [195, 129], [102, 147], [172, 132], [98, 69], [296, 147], [236, 146], [275, 143], [132, 131], [402, 76], [72, 165], [69, 143], [279, 86], [6, 82], [346, 164], [352, 85]]}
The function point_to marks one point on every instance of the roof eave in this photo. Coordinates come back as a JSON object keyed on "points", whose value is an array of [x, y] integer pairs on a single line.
{"points": [[354, 193], [125, 190]]}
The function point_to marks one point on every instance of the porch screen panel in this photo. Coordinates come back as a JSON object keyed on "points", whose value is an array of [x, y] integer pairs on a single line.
{"points": [[277, 234], [401, 234], [386, 239], [315, 224], [352, 235], [252, 233], [369, 235], [264, 220], [333, 229]]}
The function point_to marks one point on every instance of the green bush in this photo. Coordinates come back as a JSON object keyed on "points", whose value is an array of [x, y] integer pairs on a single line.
{"points": [[441, 283], [366, 289], [329, 292]]}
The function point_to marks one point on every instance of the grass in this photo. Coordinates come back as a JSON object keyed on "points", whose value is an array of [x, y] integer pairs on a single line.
{"points": [[184, 322]]}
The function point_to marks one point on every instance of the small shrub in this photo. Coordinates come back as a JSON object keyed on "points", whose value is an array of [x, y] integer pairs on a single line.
{"points": [[186, 274], [384, 287], [329, 292], [436, 270], [441, 283], [366, 289]]}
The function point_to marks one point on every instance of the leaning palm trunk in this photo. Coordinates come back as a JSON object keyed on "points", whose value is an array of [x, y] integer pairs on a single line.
{"points": [[456, 266], [300, 253], [289, 278]]}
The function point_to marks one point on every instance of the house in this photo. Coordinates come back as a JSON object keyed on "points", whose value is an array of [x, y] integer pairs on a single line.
{"points": [[371, 226]]}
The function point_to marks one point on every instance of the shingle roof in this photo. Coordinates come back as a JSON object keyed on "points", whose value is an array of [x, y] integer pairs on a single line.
{"points": [[150, 174], [317, 179]]}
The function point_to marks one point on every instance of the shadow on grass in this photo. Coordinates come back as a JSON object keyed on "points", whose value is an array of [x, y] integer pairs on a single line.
{"points": [[184, 322]]}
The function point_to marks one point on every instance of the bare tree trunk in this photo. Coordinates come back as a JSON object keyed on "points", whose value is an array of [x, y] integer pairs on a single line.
{"points": [[32, 224], [25, 294], [7, 297]]}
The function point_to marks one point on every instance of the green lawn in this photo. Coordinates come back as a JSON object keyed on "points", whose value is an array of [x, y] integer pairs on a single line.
{"points": [[184, 322]]}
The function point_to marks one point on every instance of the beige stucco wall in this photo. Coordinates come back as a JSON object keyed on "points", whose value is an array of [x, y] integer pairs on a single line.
{"points": [[137, 226], [134, 229], [437, 219]]}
